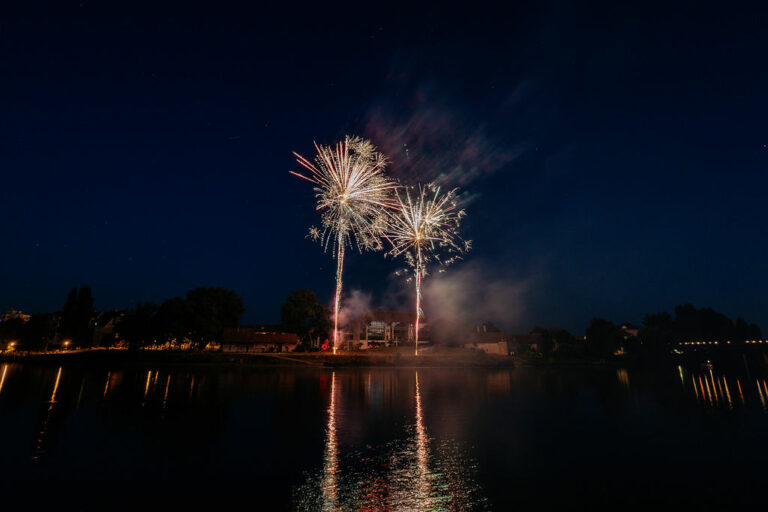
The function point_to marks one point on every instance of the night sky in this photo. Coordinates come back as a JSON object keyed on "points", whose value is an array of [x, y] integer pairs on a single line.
{"points": [[612, 158]]}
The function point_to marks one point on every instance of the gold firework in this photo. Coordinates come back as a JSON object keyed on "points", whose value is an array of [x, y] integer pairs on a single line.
{"points": [[425, 229], [352, 192]]}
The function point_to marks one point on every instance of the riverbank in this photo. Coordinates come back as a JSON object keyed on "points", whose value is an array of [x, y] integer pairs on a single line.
{"points": [[103, 358]]}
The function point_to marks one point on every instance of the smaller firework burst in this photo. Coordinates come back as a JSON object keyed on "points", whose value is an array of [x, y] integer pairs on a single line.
{"points": [[424, 229]]}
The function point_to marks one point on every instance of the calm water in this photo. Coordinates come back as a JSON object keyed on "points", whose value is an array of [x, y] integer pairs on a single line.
{"points": [[428, 439]]}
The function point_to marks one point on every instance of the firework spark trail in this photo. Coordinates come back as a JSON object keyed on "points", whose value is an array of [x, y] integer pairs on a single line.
{"points": [[352, 193], [423, 228], [337, 297]]}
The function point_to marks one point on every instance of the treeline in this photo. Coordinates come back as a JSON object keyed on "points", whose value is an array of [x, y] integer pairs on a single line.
{"points": [[306, 316], [73, 325], [661, 332], [197, 318]]}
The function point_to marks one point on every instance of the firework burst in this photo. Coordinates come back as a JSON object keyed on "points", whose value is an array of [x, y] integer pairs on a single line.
{"points": [[424, 228], [352, 193]]}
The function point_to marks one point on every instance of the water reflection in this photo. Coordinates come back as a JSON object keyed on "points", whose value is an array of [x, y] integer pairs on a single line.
{"points": [[623, 376], [2, 377], [47, 418], [715, 389], [330, 461], [165, 395], [388, 439], [146, 387], [106, 386], [55, 387], [413, 471], [421, 450]]}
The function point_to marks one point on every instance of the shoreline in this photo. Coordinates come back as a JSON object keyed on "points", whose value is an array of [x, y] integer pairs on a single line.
{"points": [[102, 358], [452, 359]]}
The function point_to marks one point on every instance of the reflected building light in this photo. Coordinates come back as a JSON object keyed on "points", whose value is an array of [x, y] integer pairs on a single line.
{"points": [[695, 388], [497, 383], [80, 394], [106, 386], [720, 388], [55, 387], [682, 379], [42, 433], [165, 395], [703, 393], [741, 394], [331, 459], [623, 377], [714, 386], [760, 392], [191, 387], [727, 392], [2, 377], [40, 442], [146, 386]]}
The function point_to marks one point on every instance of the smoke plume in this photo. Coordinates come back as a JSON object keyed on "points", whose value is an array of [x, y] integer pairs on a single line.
{"points": [[472, 293]]}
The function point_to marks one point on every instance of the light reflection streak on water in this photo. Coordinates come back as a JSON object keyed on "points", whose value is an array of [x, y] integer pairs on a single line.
{"points": [[331, 462], [55, 387], [146, 388], [718, 384], [727, 392], [422, 455], [106, 386], [714, 386], [2, 378], [703, 393], [741, 394], [717, 392], [720, 387], [40, 442], [695, 388], [165, 395], [623, 377]]}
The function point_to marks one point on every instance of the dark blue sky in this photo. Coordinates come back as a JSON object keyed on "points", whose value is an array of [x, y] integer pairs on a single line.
{"points": [[613, 157]]}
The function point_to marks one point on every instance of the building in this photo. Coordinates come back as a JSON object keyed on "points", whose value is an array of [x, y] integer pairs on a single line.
{"points": [[383, 328], [521, 343], [13, 314], [105, 327], [489, 339], [258, 339]]}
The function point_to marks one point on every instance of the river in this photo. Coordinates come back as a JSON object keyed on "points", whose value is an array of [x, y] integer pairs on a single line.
{"points": [[382, 439]]}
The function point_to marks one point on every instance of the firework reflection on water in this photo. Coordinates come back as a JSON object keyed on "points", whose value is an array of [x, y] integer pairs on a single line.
{"points": [[414, 472]]}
